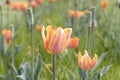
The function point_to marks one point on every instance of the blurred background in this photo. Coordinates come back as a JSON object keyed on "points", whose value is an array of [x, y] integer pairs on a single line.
{"points": [[58, 14]]}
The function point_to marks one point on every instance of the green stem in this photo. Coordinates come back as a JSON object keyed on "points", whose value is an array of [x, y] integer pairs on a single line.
{"points": [[8, 17], [32, 41], [1, 18], [92, 28], [54, 67], [88, 40], [75, 21], [84, 75], [12, 45]]}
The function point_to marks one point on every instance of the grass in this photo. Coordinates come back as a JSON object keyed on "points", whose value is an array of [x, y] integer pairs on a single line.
{"points": [[106, 39]]}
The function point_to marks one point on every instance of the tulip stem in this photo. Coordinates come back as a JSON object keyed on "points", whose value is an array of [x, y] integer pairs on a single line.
{"points": [[84, 75], [54, 67], [1, 18], [91, 31], [32, 40], [12, 45], [88, 40], [92, 28], [8, 17]]}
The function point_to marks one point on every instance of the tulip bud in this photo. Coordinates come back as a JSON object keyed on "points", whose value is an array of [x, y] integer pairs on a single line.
{"points": [[104, 3], [8, 36], [85, 62], [74, 42]]}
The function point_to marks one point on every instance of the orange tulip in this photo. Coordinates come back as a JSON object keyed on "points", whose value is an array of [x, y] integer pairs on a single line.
{"points": [[23, 6], [8, 36], [34, 4], [56, 39], [51, 1], [74, 42], [71, 13], [85, 62], [15, 6], [39, 28], [77, 14], [104, 4], [39, 1]]}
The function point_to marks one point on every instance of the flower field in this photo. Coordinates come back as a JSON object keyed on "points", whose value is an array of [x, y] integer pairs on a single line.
{"points": [[59, 39]]}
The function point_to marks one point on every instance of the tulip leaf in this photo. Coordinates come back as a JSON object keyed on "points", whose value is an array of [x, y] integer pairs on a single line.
{"points": [[18, 48], [25, 71], [13, 69], [99, 61], [1, 45], [103, 71], [37, 19], [81, 72], [37, 68], [2, 76], [11, 75]]}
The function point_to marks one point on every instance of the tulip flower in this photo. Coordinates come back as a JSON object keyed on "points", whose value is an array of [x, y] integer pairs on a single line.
{"points": [[34, 4], [104, 4], [74, 42], [71, 13], [8, 36], [23, 6], [39, 1], [39, 28], [51, 1], [77, 14], [14, 6], [56, 39], [85, 62]]}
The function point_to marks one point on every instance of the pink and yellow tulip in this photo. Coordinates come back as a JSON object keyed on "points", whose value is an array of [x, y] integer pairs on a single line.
{"points": [[56, 39], [85, 62]]}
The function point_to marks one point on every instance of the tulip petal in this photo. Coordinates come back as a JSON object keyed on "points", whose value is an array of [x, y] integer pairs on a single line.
{"points": [[94, 60], [44, 39], [80, 60], [68, 32], [56, 42]]}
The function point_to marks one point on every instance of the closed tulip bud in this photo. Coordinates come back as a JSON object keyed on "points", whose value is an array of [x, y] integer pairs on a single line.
{"points": [[71, 13], [23, 6], [34, 4], [85, 62], [8, 36], [104, 4], [74, 42], [77, 14], [15, 6], [39, 28], [56, 39], [51, 1], [39, 1]]}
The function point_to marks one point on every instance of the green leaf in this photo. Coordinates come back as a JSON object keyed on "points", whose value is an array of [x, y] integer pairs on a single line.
{"points": [[103, 70], [100, 59], [37, 68], [25, 70], [13, 69]]}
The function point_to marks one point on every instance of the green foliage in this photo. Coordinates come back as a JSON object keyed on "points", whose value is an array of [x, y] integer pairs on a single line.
{"points": [[106, 39]]}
